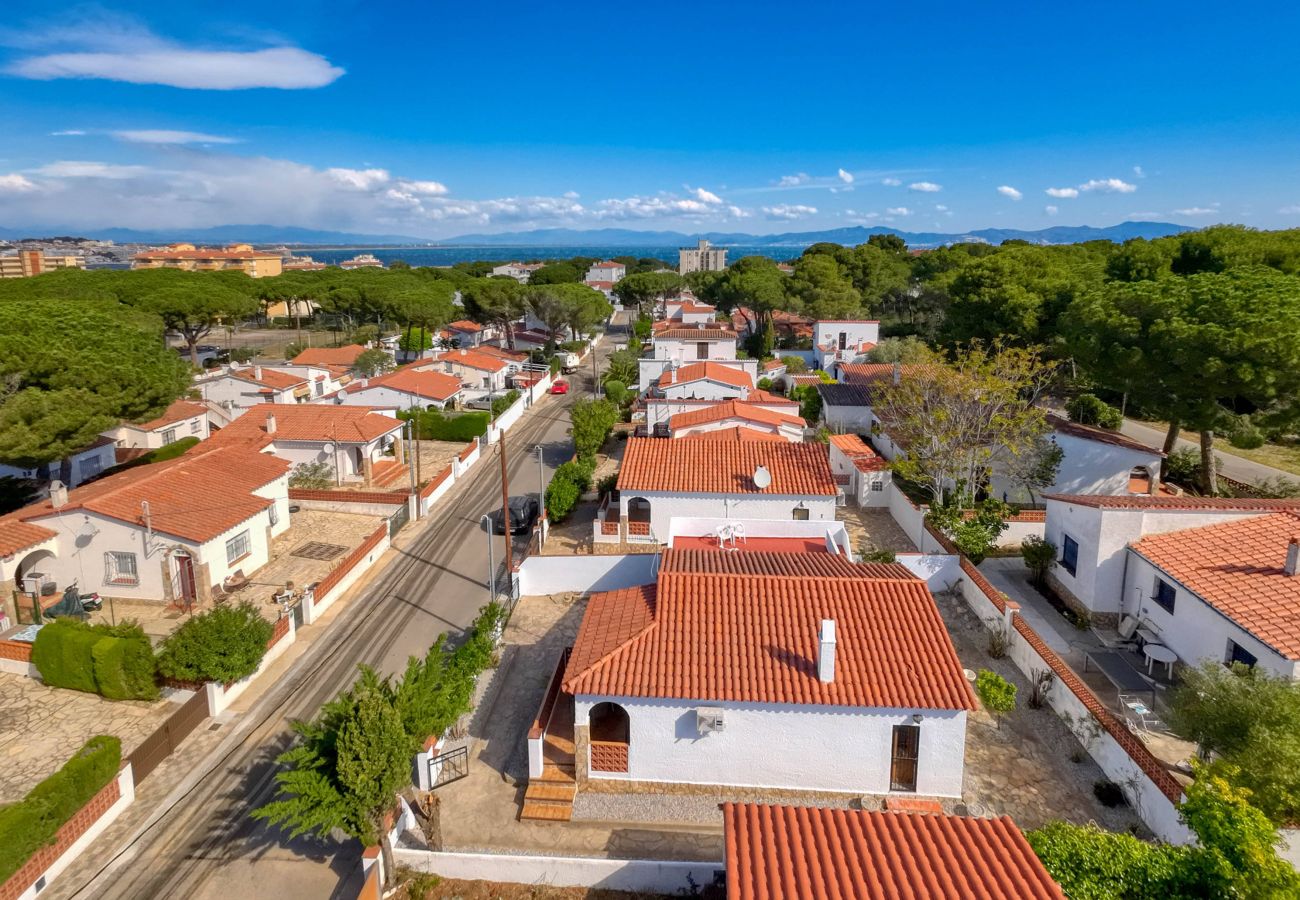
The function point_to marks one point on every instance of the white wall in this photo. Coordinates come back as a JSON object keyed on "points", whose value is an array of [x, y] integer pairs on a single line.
{"points": [[846, 419], [771, 745], [860, 486], [1195, 630], [382, 395], [701, 526], [649, 369], [131, 437], [855, 333], [1087, 467], [791, 433], [687, 351], [633, 875], [541, 575], [84, 466], [941, 571], [705, 389], [664, 507]]}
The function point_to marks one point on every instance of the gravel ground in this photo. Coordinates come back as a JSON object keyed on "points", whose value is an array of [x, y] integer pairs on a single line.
{"points": [[672, 808]]}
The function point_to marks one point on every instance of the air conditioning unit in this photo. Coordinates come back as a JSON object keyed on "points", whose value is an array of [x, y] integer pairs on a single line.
{"points": [[708, 718]]}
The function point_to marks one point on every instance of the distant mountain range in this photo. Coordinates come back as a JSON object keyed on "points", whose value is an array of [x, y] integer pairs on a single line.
{"points": [[607, 237]]}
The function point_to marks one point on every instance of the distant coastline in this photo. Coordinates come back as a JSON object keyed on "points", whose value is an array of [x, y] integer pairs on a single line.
{"points": [[447, 256]]}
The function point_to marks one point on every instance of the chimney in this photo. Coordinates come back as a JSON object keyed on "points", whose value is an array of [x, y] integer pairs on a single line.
{"points": [[1292, 557], [59, 496], [257, 372], [826, 653], [898, 372], [270, 423]]}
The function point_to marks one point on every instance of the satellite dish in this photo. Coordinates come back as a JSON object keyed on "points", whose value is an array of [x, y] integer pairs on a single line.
{"points": [[762, 478], [328, 448]]}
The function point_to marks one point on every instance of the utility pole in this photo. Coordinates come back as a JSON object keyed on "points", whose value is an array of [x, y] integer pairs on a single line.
{"points": [[595, 376], [505, 506], [410, 459], [541, 482], [486, 522]]}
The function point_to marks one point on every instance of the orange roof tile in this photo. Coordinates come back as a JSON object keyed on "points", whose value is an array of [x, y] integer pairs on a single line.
{"points": [[502, 353], [1101, 435], [177, 412], [711, 467], [1237, 568], [424, 383], [196, 497], [1185, 502], [738, 433], [874, 373], [706, 371], [802, 853], [730, 409], [744, 627], [687, 333], [473, 359], [859, 452], [16, 535], [329, 356], [772, 364], [465, 325], [268, 378], [761, 396], [311, 422]]}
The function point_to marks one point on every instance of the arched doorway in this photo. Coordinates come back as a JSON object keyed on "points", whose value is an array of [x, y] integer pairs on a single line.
{"points": [[34, 578], [638, 517], [610, 731], [1139, 480]]}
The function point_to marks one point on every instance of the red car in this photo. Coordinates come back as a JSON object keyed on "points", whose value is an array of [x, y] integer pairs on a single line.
{"points": [[560, 387]]}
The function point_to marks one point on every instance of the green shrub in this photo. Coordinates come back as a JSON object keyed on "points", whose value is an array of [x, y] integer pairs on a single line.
{"points": [[223, 645], [996, 693], [764, 384], [580, 472], [33, 822], [114, 661], [504, 402], [561, 496], [1039, 554], [616, 391], [1182, 466], [63, 654], [592, 422], [1246, 436], [459, 428], [1088, 409], [125, 668], [607, 485], [794, 365], [316, 476]]}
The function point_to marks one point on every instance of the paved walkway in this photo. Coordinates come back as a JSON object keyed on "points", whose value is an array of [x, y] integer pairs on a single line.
{"points": [[1233, 466], [1009, 575]]}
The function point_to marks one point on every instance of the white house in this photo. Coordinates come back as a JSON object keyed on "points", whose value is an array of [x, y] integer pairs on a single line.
{"points": [[686, 344], [843, 340], [1227, 593], [661, 478], [685, 310], [740, 669], [239, 389], [846, 408], [466, 333], [476, 370], [75, 469], [607, 270], [168, 531], [859, 470], [182, 419], [706, 381], [1093, 461], [404, 388], [731, 414], [360, 444], [658, 411], [520, 272], [1092, 533]]}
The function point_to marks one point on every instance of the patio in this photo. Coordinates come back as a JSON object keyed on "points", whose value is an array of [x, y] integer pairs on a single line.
{"points": [[873, 529]]}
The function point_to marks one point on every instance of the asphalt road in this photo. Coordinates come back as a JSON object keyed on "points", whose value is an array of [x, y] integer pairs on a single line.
{"points": [[1233, 466], [206, 846]]}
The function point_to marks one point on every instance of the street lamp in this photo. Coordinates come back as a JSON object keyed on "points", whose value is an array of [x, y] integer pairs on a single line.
{"points": [[486, 522]]}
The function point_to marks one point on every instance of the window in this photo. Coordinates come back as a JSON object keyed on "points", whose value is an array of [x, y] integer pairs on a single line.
{"points": [[1069, 554], [800, 514], [907, 749], [238, 547], [877, 485], [702, 350], [169, 436], [196, 425], [844, 340], [1164, 595], [90, 467], [120, 568], [1237, 654]]}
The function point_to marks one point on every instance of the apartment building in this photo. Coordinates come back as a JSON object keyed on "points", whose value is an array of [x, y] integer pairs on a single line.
{"points": [[240, 257], [703, 257], [26, 263]]}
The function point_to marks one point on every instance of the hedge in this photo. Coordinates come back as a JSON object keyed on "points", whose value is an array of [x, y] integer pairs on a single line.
{"points": [[224, 644], [460, 428], [34, 821], [116, 662]]}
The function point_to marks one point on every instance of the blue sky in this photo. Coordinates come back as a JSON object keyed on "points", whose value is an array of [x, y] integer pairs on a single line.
{"points": [[436, 119]]}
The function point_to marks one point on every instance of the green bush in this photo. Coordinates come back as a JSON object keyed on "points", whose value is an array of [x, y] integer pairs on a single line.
{"points": [[616, 391], [504, 402], [1182, 466], [561, 497], [607, 484], [764, 384], [1247, 436], [580, 472], [592, 422], [125, 668], [33, 822], [460, 428], [1088, 409], [223, 645], [160, 454], [1039, 555], [64, 655]]}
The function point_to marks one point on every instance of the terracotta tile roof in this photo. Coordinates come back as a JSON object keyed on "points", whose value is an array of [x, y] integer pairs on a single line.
{"points": [[1237, 568], [329, 356], [688, 333], [1185, 502], [739, 434], [502, 353], [804, 379], [424, 383], [179, 411], [848, 321], [207, 254], [696, 308], [767, 397], [875, 373], [271, 379], [743, 627], [710, 467], [859, 452], [844, 394], [312, 422], [196, 497], [730, 409], [473, 359], [797, 852], [465, 325], [16, 535], [771, 365], [709, 370], [1101, 435]]}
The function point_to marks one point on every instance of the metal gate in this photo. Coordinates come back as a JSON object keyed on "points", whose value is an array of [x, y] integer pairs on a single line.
{"points": [[399, 518], [168, 736], [297, 612], [448, 767]]}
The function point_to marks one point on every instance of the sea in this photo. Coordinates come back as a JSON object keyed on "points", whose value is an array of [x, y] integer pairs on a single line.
{"points": [[446, 256]]}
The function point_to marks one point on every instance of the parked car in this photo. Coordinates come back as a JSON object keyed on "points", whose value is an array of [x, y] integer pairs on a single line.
{"points": [[523, 514], [559, 386], [483, 402]]}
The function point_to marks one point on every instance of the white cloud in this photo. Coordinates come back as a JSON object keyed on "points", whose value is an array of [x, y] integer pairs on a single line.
{"points": [[787, 212], [738, 213], [890, 182], [1108, 186], [163, 136], [1137, 170], [939, 207], [570, 195], [359, 179], [424, 188], [925, 187], [15, 184], [119, 49], [1007, 190], [1051, 210], [898, 211], [794, 180], [70, 132], [70, 168], [704, 196], [1063, 193], [659, 206], [846, 177], [1196, 211]]}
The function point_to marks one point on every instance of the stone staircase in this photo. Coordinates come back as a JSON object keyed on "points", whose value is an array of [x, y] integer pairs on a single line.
{"points": [[550, 797], [388, 473]]}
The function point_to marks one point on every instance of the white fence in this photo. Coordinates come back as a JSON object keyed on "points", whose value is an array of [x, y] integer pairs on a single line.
{"points": [[314, 606], [941, 571], [909, 517], [833, 533], [639, 875], [540, 575], [514, 412]]}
